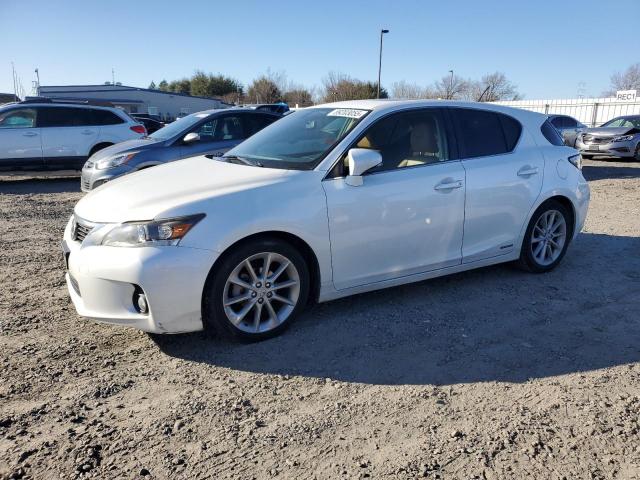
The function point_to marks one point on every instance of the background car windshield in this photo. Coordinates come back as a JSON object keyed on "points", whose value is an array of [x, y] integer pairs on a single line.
{"points": [[177, 127], [623, 122], [300, 140]]}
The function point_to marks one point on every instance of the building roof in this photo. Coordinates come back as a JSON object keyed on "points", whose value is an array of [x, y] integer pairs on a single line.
{"points": [[118, 88]]}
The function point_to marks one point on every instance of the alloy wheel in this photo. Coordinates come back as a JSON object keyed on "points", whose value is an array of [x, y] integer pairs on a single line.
{"points": [[548, 237], [261, 292]]}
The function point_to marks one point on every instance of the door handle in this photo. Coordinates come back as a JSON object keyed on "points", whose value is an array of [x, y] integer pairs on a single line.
{"points": [[30, 134], [87, 132], [527, 171], [448, 185]]}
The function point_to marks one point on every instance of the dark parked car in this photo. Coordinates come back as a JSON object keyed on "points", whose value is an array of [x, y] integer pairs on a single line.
{"points": [[211, 132], [279, 108], [150, 124], [568, 127]]}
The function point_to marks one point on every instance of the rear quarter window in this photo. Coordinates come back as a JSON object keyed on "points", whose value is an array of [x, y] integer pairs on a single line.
{"points": [[551, 134], [105, 117]]}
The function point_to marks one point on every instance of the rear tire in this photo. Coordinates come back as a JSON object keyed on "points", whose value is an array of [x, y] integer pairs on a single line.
{"points": [[256, 290], [547, 238]]}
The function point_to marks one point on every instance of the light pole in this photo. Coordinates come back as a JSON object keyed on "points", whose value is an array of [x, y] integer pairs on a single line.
{"points": [[38, 77], [450, 96], [382, 32]]}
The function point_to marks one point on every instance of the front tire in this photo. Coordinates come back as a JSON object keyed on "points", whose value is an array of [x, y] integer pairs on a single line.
{"points": [[256, 290], [546, 238]]}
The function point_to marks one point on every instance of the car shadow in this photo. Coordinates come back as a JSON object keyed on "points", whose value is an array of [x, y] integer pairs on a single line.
{"points": [[38, 185], [491, 324], [610, 168]]}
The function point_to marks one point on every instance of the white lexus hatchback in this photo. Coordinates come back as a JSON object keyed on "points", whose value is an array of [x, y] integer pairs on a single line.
{"points": [[327, 202]]}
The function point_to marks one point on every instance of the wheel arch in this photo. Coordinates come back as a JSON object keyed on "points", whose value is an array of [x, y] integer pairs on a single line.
{"points": [[294, 240], [99, 146], [562, 199]]}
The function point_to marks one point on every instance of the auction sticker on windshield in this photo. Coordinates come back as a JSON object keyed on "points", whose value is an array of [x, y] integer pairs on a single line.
{"points": [[347, 112]]}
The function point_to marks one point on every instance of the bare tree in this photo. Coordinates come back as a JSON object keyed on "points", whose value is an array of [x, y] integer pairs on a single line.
{"points": [[403, 89], [338, 87], [492, 87], [627, 80], [450, 88]]}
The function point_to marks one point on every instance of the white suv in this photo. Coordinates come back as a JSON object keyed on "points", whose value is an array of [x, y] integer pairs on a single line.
{"points": [[47, 135]]}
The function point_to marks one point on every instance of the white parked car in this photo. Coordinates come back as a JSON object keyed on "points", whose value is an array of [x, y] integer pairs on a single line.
{"points": [[327, 202], [41, 134]]}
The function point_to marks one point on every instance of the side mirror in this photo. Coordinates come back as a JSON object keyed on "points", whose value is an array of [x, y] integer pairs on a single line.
{"points": [[190, 138], [361, 160]]}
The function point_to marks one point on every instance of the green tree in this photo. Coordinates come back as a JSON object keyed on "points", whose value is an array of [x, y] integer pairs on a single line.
{"points": [[264, 90], [163, 86], [180, 86], [338, 87], [298, 96]]}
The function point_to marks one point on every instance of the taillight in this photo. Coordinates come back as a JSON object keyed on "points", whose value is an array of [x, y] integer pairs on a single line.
{"points": [[576, 161], [139, 129]]}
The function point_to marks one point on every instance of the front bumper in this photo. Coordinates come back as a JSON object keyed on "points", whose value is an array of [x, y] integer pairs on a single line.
{"points": [[611, 149], [92, 177], [102, 280]]}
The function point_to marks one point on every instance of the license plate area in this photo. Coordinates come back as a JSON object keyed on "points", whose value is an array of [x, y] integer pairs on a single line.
{"points": [[594, 147]]}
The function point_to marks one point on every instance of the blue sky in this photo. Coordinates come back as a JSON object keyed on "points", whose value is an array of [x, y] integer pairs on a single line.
{"points": [[548, 48]]}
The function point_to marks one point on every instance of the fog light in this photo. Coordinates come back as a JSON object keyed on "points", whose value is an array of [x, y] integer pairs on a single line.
{"points": [[140, 300]]}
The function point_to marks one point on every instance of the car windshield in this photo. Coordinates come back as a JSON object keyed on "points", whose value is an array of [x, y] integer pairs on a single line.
{"points": [[623, 122], [300, 140], [179, 126]]}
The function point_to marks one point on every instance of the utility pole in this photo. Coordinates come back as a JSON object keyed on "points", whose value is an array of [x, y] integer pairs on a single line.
{"points": [[15, 88], [450, 96], [382, 32], [113, 77], [38, 82]]}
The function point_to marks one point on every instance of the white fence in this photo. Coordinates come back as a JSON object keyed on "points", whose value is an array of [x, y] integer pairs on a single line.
{"points": [[590, 111]]}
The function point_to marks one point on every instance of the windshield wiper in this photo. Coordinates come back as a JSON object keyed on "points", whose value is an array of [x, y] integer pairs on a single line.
{"points": [[242, 161]]}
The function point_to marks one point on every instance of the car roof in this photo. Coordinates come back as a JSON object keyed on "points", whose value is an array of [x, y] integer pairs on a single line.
{"points": [[384, 105], [234, 110]]}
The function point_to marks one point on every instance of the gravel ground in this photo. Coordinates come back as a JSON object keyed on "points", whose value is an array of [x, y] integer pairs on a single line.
{"points": [[487, 374]]}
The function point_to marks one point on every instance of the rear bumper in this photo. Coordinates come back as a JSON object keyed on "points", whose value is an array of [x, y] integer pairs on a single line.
{"points": [[102, 281]]}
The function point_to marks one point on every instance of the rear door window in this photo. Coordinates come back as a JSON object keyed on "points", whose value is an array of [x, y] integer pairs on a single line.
{"points": [[256, 122], [64, 117], [483, 133]]}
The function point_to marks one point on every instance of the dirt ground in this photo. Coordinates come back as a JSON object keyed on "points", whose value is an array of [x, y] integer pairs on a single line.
{"points": [[489, 374]]}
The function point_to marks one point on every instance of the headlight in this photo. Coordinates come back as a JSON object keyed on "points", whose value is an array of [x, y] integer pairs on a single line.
{"points": [[623, 138], [157, 232], [114, 161]]}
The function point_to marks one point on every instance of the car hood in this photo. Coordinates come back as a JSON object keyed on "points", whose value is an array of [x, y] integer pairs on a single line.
{"points": [[136, 145], [610, 131], [171, 189]]}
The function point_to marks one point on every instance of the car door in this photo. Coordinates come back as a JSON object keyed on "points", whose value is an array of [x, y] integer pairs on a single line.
{"points": [[217, 136], [67, 136], [20, 140], [407, 216], [504, 171]]}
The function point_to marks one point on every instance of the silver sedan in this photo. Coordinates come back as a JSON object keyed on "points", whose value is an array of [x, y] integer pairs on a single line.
{"points": [[619, 137]]}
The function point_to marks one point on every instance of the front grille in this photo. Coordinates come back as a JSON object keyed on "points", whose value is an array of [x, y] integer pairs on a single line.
{"points": [[74, 285], [81, 230], [596, 140], [86, 184]]}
